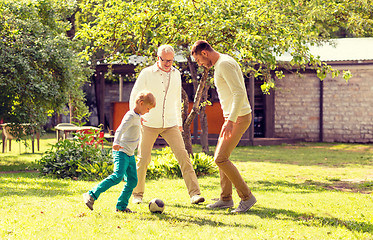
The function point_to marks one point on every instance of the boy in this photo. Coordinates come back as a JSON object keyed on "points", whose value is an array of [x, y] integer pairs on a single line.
{"points": [[125, 142]]}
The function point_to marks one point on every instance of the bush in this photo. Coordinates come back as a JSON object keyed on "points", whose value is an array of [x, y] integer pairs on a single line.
{"points": [[203, 164], [75, 159], [164, 164]]}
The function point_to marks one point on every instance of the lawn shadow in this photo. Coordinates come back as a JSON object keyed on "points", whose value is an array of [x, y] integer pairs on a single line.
{"points": [[200, 221], [306, 162], [11, 163], [311, 220], [21, 154], [280, 214], [209, 186], [29, 184], [310, 186]]}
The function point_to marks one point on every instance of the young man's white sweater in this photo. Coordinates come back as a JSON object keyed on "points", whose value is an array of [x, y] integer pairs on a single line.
{"points": [[231, 89]]}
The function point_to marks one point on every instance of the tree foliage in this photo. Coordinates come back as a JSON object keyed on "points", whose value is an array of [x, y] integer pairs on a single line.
{"points": [[253, 32], [39, 67]]}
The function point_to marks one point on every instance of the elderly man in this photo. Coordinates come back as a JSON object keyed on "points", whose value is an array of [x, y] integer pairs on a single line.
{"points": [[231, 89], [164, 81]]}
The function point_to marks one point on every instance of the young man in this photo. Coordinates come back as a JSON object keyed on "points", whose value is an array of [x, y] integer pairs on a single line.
{"points": [[231, 89], [164, 81]]}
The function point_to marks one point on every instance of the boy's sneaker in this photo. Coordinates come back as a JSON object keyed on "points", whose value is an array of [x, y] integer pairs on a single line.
{"points": [[137, 200], [127, 210], [244, 206], [88, 200], [197, 199], [221, 204]]}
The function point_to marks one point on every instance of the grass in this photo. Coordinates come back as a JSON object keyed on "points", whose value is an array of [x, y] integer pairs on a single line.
{"points": [[304, 191]]}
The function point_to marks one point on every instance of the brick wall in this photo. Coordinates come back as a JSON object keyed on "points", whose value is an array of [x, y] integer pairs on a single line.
{"points": [[297, 107], [348, 107]]}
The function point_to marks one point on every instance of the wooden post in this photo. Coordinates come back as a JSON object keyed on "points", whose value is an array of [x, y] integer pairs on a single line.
{"points": [[321, 123], [4, 139], [32, 143], [102, 98], [38, 140], [71, 109], [251, 90], [120, 88], [269, 113]]}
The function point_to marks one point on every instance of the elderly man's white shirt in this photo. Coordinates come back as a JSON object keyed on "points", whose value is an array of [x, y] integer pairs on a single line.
{"points": [[167, 112]]}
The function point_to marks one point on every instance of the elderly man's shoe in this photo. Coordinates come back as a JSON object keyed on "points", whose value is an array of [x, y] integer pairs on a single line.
{"points": [[137, 200], [197, 199]]}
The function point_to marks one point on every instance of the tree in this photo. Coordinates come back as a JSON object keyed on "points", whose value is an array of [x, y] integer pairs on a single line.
{"points": [[254, 32], [40, 69]]}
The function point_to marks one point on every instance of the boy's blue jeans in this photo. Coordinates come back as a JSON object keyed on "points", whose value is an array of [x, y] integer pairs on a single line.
{"points": [[124, 167]]}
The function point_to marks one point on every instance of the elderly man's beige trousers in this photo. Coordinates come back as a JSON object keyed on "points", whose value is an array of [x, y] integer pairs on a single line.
{"points": [[174, 139], [228, 172]]}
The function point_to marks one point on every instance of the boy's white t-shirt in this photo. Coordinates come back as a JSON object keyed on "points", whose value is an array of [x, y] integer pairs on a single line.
{"points": [[127, 134]]}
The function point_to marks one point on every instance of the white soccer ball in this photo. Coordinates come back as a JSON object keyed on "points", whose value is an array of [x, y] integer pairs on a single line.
{"points": [[156, 205]]}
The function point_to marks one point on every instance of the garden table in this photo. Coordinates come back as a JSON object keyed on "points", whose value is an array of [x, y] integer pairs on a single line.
{"points": [[7, 136], [65, 129]]}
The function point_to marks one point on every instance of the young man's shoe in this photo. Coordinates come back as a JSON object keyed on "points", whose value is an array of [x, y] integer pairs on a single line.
{"points": [[88, 200], [137, 200], [127, 210], [221, 204], [244, 206], [197, 199]]}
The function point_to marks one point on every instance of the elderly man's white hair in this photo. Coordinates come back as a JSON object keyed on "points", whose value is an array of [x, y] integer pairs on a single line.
{"points": [[165, 49]]}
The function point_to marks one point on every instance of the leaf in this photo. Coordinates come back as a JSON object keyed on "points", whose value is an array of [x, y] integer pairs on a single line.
{"points": [[347, 75]]}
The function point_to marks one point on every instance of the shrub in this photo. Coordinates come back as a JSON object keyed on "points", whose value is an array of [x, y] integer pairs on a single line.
{"points": [[99, 169], [203, 164], [164, 164], [76, 159]]}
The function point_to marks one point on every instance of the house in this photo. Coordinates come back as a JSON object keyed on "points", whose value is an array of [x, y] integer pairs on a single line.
{"points": [[112, 103], [331, 110], [300, 108]]}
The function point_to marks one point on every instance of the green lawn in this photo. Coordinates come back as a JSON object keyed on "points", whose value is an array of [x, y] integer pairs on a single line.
{"points": [[304, 191]]}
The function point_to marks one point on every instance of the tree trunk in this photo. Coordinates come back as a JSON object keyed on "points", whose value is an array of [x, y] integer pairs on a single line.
{"points": [[186, 133], [203, 118], [204, 127], [71, 34], [193, 72], [200, 90], [71, 109], [197, 99]]}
